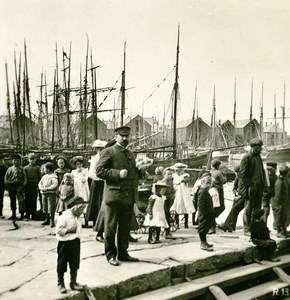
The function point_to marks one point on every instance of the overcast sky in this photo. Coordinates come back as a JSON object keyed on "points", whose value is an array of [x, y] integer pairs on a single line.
{"points": [[219, 41]]}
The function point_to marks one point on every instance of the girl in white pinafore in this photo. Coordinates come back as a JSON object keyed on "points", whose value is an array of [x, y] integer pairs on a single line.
{"points": [[183, 202], [155, 217], [80, 180]]}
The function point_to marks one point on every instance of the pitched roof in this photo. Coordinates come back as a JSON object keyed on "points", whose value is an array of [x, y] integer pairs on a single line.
{"points": [[272, 129]]}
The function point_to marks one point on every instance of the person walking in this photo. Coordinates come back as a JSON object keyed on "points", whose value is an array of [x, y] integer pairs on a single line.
{"points": [[269, 191], [251, 181], [117, 166], [218, 181], [33, 176], [205, 211]]}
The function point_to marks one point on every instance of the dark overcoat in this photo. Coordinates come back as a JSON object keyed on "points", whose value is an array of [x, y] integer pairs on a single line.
{"points": [[116, 189]]}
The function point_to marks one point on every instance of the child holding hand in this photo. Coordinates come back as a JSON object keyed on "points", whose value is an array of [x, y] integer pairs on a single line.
{"points": [[155, 217]]}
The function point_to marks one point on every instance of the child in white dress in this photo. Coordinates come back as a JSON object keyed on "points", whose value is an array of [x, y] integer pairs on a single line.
{"points": [[80, 179], [183, 203], [155, 217]]}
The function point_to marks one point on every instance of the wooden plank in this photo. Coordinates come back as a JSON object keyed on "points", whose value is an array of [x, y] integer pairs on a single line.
{"points": [[262, 291], [199, 287], [282, 275], [218, 292]]}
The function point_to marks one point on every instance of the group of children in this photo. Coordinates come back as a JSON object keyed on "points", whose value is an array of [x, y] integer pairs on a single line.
{"points": [[67, 193]]}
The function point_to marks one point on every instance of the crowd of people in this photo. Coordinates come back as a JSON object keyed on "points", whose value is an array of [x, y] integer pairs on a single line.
{"points": [[106, 194]]}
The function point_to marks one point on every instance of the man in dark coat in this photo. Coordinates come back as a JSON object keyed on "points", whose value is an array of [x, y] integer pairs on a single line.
{"points": [[205, 212], [269, 191], [118, 168], [3, 170], [251, 181]]}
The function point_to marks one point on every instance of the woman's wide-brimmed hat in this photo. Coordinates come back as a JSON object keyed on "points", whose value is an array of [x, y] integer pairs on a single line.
{"points": [[79, 158], [179, 166], [60, 156], [99, 144]]}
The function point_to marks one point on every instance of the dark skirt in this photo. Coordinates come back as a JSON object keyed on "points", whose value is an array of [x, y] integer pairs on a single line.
{"points": [[95, 200], [100, 222]]}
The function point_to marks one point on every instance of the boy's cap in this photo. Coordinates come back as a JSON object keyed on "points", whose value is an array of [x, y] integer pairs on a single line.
{"points": [[124, 130], [271, 164], [258, 213], [75, 201], [283, 169], [215, 163], [32, 156], [16, 156], [256, 142]]}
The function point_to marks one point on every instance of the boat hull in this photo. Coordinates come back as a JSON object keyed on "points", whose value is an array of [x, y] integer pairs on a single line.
{"points": [[281, 155], [195, 162]]}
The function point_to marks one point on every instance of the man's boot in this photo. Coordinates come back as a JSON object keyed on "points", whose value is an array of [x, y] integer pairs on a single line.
{"points": [[47, 220], [60, 283], [52, 221], [186, 221], [73, 281]]}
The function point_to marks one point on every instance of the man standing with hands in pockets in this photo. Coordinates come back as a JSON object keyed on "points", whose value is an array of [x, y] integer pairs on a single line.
{"points": [[118, 168]]}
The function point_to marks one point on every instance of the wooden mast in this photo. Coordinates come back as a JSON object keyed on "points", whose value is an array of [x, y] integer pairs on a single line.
{"points": [[251, 108], [193, 118], [283, 114], [262, 112], [94, 99], [213, 121], [66, 82], [46, 108], [27, 90], [16, 117], [275, 118], [53, 111], [58, 115], [235, 109], [81, 137], [24, 110], [8, 104], [17, 101], [40, 118], [123, 88], [174, 154], [85, 97]]}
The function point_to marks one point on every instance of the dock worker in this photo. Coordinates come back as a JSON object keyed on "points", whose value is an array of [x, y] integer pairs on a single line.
{"points": [[117, 166], [252, 181]]}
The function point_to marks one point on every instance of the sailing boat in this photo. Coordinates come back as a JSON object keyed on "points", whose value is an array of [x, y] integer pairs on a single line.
{"points": [[166, 156], [280, 153]]}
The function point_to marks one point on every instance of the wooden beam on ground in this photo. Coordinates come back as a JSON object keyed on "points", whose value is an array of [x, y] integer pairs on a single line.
{"points": [[218, 293]]}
